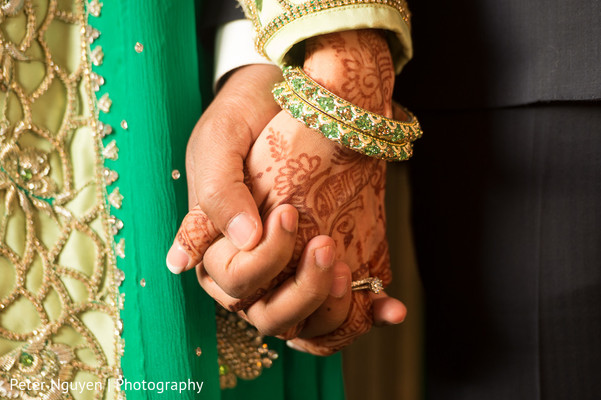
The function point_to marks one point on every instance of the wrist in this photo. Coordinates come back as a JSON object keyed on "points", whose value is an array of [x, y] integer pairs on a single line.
{"points": [[355, 65]]}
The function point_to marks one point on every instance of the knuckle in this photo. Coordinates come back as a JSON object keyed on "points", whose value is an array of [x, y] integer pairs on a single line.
{"points": [[269, 327], [211, 188], [267, 330], [268, 264], [238, 285], [293, 332], [237, 289], [312, 293], [212, 195], [269, 324]]}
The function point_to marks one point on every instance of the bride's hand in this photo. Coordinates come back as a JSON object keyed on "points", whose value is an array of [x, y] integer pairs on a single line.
{"points": [[336, 192]]}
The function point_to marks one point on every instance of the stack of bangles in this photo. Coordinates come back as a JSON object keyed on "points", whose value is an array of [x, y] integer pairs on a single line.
{"points": [[353, 127]]}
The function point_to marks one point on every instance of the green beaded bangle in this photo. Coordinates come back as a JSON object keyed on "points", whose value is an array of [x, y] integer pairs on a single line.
{"points": [[338, 120]]}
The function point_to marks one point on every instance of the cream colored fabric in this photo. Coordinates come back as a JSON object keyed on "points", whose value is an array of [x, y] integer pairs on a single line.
{"points": [[234, 48], [282, 24]]}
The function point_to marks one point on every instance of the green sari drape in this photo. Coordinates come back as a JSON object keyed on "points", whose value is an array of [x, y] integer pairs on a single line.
{"points": [[160, 92], [149, 84]]}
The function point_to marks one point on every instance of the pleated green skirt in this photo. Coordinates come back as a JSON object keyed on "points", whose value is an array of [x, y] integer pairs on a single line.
{"points": [[158, 80]]}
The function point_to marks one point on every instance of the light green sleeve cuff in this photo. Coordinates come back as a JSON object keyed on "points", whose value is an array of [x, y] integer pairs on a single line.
{"points": [[280, 25]]}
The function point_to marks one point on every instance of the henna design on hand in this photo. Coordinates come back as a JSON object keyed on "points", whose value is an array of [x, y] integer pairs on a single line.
{"points": [[336, 191], [196, 233], [339, 193], [361, 69], [293, 176], [360, 318], [278, 145]]}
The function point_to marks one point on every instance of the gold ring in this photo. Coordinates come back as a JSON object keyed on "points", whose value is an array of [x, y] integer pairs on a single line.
{"points": [[373, 284]]}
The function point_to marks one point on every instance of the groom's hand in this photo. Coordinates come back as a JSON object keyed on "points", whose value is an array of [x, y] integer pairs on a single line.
{"points": [[215, 157]]}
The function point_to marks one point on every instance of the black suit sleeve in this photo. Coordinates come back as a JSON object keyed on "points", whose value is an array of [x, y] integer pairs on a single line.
{"points": [[219, 12], [209, 16]]}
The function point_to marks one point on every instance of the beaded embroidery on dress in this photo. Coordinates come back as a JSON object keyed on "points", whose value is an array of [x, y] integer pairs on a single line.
{"points": [[59, 297]]}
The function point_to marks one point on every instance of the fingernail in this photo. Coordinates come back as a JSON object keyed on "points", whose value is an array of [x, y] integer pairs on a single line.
{"points": [[240, 229], [293, 346], [339, 287], [395, 321], [324, 256], [392, 323], [177, 259], [289, 221]]}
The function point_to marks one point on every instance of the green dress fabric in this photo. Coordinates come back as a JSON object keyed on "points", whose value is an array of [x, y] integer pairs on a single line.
{"points": [[159, 88]]}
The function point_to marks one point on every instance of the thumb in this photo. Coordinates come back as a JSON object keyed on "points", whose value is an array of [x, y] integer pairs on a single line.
{"points": [[195, 235], [217, 180]]}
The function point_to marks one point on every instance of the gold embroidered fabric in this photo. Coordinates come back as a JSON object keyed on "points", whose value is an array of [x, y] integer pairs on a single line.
{"points": [[59, 298], [241, 350], [281, 24]]}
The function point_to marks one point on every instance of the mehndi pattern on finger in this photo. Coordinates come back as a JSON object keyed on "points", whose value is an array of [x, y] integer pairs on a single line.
{"points": [[360, 317], [196, 232], [331, 195]]}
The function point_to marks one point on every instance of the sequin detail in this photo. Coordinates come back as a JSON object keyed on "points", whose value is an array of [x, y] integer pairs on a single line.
{"points": [[241, 351], [54, 204], [265, 30]]}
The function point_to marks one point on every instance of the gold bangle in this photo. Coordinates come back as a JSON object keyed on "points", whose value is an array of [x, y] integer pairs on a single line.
{"points": [[338, 120]]}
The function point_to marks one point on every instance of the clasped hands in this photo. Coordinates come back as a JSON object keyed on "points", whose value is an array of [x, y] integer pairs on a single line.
{"points": [[282, 220]]}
